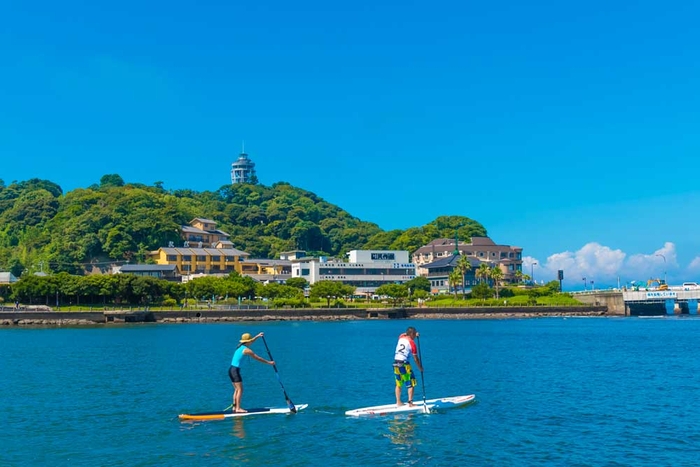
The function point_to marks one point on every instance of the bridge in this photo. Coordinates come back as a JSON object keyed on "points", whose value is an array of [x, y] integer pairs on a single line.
{"points": [[658, 301], [644, 302]]}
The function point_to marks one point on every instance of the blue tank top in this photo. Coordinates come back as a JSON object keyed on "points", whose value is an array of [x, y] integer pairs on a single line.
{"points": [[238, 356]]}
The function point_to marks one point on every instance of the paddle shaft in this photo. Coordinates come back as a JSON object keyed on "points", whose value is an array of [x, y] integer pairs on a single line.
{"points": [[286, 397], [422, 380]]}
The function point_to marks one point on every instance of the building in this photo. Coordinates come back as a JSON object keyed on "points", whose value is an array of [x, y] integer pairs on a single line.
{"points": [[220, 260], [7, 278], [267, 270], [508, 258], [159, 271], [243, 170], [203, 233], [365, 269], [438, 273]]}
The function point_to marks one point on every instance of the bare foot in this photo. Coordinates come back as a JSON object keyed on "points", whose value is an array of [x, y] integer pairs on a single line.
{"points": [[410, 404], [240, 411], [399, 404]]}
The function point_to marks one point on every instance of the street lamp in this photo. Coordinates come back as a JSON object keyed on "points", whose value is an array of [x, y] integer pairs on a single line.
{"points": [[585, 285], [592, 284], [532, 272], [664, 266]]}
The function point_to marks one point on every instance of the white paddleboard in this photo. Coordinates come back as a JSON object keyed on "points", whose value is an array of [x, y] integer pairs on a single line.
{"points": [[418, 406], [229, 414]]}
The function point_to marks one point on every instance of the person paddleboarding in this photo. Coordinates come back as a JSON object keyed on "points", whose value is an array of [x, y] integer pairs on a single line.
{"points": [[234, 372], [403, 372]]}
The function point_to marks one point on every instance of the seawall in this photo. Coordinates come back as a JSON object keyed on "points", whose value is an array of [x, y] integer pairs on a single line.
{"points": [[53, 318]]}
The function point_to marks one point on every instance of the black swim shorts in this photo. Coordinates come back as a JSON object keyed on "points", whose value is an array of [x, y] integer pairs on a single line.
{"points": [[235, 374]]}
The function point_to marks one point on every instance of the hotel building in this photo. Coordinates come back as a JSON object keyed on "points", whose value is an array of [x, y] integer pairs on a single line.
{"points": [[508, 258], [365, 269]]}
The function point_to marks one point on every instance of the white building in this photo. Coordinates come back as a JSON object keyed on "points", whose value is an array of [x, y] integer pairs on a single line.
{"points": [[365, 269]]}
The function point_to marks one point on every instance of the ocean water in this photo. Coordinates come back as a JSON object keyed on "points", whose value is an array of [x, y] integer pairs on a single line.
{"points": [[574, 392]]}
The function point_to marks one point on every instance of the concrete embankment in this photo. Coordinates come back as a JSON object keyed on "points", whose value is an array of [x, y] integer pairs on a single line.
{"points": [[50, 318]]}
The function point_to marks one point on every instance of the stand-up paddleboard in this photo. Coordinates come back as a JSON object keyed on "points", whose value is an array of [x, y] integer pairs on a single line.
{"points": [[418, 406], [230, 414]]}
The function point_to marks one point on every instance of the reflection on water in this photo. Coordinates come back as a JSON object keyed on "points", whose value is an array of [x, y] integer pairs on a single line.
{"points": [[238, 428], [402, 430]]}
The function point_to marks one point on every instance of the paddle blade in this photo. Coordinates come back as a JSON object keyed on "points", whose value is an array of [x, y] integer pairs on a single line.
{"points": [[291, 406]]}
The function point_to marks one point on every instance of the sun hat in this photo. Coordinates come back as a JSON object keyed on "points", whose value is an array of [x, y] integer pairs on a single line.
{"points": [[245, 338]]}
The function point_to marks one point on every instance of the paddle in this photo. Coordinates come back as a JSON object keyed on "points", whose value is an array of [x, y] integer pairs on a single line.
{"points": [[422, 380], [286, 397]]}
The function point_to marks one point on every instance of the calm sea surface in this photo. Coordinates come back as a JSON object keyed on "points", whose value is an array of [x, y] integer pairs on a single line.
{"points": [[596, 391]]}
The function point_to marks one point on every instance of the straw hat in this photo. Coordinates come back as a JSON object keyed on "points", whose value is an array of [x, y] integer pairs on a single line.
{"points": [[245, 338]]}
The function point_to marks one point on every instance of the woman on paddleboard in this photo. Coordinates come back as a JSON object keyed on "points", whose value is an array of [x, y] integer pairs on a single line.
{"points": [[234, 372], [403, 373]]}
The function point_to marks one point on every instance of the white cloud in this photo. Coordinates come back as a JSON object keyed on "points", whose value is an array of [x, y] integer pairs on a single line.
{"points": [[604, 265], [694, 265]]}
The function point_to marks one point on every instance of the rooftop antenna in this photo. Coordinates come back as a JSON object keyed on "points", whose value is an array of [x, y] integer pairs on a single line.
{"points": [[243, 147]]}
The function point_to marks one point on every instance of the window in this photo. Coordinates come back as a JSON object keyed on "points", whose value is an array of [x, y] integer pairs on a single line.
{"points": [[171, 257], [305, 272], [215, 267], [201, 258], [216, 258], [187, 258], [230, 258]]}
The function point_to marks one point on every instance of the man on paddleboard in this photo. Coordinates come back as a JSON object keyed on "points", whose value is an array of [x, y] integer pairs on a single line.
{"points": [[405, 349], [234, 372]]}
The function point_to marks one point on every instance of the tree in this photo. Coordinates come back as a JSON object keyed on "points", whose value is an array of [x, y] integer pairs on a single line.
{"points": [[454, 278], [483, 272], [497, 276], [298, 282], [519, 276], [418, 283], [395, 292], [464, 266], [111, 180], [328, 290], [481, 291]]}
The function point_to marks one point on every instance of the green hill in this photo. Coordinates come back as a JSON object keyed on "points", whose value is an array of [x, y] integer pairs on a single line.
{"points": [[41, 227]]}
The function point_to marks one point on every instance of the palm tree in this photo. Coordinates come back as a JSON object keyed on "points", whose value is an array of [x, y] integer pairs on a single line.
{"points": [[454, 279], [463, 266], [497, 275], [483, 272], [519, 276]]}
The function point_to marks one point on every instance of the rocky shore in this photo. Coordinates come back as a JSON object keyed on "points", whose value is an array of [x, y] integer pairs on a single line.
{"points": [[48, 318]]}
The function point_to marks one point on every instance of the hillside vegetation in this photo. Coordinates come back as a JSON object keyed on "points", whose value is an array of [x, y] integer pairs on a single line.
{"points": [[43, 228]]}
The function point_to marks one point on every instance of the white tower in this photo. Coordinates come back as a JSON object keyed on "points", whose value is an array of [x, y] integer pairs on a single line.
{"points": [[243, 170]]}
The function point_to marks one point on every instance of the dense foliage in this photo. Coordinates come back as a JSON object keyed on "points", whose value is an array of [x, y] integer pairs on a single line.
{"points": [[43, 228]]}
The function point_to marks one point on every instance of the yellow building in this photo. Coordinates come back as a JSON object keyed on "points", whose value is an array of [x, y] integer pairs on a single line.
{"points": [[220, 260], [202, 233], [207, 250]]}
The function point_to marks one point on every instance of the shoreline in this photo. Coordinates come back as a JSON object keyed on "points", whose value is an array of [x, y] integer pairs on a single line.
{"points": [[78, 318]]}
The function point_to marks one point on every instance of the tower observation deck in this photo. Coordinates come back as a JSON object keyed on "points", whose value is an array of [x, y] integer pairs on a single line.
{"points": [[243, 170]]}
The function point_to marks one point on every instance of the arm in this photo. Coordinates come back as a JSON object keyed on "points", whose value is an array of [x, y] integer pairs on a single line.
{"points": [[251, 354], [419, 364]]}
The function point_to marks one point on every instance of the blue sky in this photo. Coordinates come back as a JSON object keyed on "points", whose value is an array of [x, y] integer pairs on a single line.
{"points": [[567, 129]]}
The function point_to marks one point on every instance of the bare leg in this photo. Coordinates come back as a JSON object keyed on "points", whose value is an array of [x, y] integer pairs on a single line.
{"points": [[410, 396], [237, 394], [398, 395]]}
